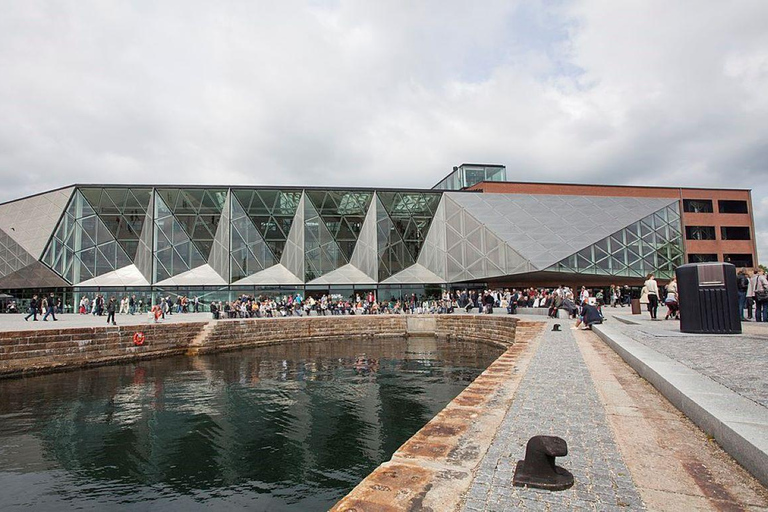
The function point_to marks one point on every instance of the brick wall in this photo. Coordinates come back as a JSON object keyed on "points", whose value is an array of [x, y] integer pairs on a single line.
{"points": [[25, 352], [498, 330], [233, 334]]}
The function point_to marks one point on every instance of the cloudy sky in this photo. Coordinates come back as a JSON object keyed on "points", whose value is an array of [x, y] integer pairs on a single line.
{"points": [[394, 93]]}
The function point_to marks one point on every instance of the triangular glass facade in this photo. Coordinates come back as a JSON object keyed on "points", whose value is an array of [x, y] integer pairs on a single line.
{"points": [[652, 244], [249, 252], [198, 210], [122, 210], [272, 213], [392, 252], [403, 220], [175, 251], [82, 246], [343, 213], [322, 253], [411, 214]]}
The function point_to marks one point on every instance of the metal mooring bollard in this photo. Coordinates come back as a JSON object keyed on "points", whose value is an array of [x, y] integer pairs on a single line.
{"points": [[556, 327], [538, 469]]}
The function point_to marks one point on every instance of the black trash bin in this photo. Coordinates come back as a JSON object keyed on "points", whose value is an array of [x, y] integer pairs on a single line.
{"points": [[709, 301]]}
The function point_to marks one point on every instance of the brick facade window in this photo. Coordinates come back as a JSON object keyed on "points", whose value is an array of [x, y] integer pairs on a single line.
{"points": [[702, 258], [697, 206], [700, 233], [734, 233], [740, 260], [724, 206]]}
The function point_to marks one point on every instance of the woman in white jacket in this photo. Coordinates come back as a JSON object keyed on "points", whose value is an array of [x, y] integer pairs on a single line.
{"points": [[653, 295]]}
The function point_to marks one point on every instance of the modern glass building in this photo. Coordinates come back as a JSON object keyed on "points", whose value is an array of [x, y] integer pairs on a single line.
{"points": [[217, 242]]}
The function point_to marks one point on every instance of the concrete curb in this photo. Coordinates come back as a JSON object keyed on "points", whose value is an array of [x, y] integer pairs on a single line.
{"points": [[738, 424]]}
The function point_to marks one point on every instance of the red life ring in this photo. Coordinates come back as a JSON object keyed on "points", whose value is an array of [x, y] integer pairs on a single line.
{"points": [[138, 339]]}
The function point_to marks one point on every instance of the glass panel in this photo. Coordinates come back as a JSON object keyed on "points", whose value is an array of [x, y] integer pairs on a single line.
{"points": [[322, 253], [403, 208], [343, 213], [660, 250], [272, 213], [184, 254]]}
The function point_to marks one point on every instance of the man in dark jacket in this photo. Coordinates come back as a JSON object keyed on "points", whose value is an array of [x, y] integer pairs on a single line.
{"points": [[589, 316], [742, 285], [488, 302], [111, 311], [32, 309], [50, 309]]}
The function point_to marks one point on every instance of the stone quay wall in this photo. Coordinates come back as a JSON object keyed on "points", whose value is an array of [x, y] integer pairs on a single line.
{"points": [[30, 352], [240, 333], [498, 330]]}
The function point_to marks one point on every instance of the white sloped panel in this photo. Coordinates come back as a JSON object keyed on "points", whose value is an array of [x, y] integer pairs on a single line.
{"points": [[30, 222]]}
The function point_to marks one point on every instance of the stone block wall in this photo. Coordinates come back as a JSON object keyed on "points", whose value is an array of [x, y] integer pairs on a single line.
{"points": [[232, 334], [28, 352], [494, 329]]}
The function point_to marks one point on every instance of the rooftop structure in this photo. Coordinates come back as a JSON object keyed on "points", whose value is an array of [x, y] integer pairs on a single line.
{"points": [[466, 175]]}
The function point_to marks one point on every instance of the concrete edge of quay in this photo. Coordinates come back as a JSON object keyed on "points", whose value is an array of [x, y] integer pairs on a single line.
{"points": [[739, 425]]}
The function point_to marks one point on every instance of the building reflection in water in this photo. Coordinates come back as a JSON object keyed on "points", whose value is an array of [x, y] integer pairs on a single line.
{"points": [[292, 426]]}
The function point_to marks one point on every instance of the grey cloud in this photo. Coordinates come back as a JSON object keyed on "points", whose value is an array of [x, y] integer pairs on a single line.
{"points": [[392, 93]]}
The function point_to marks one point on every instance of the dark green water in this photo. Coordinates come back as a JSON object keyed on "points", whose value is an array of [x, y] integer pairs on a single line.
{"points": [[290, 427]]}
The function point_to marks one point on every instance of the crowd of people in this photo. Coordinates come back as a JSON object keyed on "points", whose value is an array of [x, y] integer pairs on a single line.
{"points": [[752, 286], [45, 306], [248, 306], [582, 304], [480, 301]]}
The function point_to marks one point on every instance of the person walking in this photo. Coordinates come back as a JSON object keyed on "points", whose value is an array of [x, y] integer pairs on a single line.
{"points": [[671, 300], [653, 295], [32, 309], [50, 309], [111, 306]]}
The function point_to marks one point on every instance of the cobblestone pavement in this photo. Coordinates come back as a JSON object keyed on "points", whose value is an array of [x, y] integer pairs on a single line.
{"points": [[556, 397], [738, 362]]}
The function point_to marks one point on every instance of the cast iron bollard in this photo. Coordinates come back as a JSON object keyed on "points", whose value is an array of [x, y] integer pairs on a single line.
{"points": [[556, 327], [538, 469]]}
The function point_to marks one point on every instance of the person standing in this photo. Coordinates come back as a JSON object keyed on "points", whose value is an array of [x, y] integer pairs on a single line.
{"points": [[584, 295], [32, 309], [653, 295], [111, 306], [761, 297], [750, 293], [50, 309], [132, 305], [742, 285]]}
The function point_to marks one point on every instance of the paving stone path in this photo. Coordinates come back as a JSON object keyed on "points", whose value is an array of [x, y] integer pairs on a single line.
{"points": [[556, 397]]}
